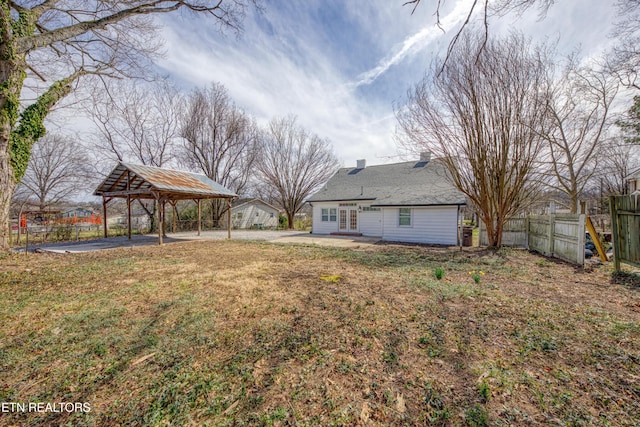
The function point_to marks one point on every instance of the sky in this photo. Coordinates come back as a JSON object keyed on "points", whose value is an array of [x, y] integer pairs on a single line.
{"points": [[340, 66]]}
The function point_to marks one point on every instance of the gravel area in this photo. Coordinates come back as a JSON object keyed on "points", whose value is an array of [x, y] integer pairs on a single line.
{"points": [[279, 236]]}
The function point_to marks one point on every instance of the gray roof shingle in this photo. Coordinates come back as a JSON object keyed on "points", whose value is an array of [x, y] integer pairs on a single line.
{"points": [[397, 184]]}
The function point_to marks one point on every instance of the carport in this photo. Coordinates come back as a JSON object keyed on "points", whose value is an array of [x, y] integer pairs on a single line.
{"points": [[131, 182]]}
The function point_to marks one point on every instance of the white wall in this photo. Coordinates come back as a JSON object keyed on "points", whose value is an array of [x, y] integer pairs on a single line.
{"points": [[432, 225], [320, 227], [254, 214], [370, 223]]}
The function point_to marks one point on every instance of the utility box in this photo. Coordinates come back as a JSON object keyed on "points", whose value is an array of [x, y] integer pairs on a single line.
{"points": [[467, 236]]}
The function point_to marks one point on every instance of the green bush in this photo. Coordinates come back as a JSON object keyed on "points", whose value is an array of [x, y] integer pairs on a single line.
{"points": [[63, 232]]}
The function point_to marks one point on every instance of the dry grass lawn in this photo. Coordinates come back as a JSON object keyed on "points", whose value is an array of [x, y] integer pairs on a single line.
{"points": [[249, 333]]}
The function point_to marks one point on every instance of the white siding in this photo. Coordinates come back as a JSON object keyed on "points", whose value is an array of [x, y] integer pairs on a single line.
{"points": [[326, 227], [431, 225], [370, 223], [254, 214]]}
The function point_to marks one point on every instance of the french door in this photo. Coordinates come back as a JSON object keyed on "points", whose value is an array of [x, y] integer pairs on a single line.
{"points": [[348, 219]]}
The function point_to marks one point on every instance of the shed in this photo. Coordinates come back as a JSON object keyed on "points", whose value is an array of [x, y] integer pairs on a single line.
{"points": [[130, 181], [253, 213]]}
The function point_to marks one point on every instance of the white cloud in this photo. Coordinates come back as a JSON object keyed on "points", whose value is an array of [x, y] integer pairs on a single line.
{"points": [[326, 69], [267, 82], [417, 42]]}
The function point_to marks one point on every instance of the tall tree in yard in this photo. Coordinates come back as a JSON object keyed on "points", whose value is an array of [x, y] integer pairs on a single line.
{"points": [[578, 119], [295, 163], [56, 170], [136, 123], [481, 112], [60, 42], [220, 141]]}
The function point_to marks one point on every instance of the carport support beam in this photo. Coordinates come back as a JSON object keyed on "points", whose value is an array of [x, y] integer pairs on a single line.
{"points": [[104, 215], [199, 216], [129, 217], [229, 219], [128, 205], [160, 219]]}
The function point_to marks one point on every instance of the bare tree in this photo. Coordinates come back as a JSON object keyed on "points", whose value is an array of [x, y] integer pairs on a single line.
{"points": [[578, 119], [620, 161], [57, 168], [138, 123], [294, 163], [51, 44], [481, 115], [486, 8], [220, 140], [625, 60]]}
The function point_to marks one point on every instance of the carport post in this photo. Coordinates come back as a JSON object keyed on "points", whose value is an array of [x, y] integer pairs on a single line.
{"points": [[104, 215], [229, 219], [128, 204], [129, 216], [164, 218], [160, 219], [199, 217]]}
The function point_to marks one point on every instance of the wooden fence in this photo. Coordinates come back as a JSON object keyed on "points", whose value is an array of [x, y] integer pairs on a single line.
{"points": [[625, 227], [558, 236]]}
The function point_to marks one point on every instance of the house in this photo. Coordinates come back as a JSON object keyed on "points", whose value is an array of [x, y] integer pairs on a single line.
{"points": [[403, 202], [253, 213], [633, 182], [79, 215]]}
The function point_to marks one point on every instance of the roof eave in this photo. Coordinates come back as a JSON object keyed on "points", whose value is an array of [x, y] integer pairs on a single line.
{"points": [[417, 205]]}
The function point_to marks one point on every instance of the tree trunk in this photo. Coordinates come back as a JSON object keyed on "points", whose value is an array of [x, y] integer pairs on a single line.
{"points": [[12, 80], [574, 203], [7, 185], [290, 220]]}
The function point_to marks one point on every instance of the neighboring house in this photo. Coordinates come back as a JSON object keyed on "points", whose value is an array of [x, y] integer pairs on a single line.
{"points": [[402, 202], [633, 182], [138, 222], [253, 213]]}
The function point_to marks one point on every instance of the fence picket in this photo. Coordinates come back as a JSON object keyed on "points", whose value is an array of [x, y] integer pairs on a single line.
{"points": [[625, 226]]}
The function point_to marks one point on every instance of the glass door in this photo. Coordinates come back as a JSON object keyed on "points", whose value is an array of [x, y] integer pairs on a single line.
{"points": [[342, 223], [353, 220]]}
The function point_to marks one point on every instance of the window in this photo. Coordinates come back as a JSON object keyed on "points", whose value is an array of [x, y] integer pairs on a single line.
{"points": [[257, 213], [238, 215], [370, 209], [329, 215], [272, 215], [404, 217]]}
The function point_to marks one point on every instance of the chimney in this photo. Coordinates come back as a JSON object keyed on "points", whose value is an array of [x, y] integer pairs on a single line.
{"points": [[361, 164], [425, 156]]}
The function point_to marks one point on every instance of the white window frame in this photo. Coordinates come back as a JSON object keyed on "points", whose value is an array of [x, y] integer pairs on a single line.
{"points": [[333, 214], [329, 214], [403, 215]]}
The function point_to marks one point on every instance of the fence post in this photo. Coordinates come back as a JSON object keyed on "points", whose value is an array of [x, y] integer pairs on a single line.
{"points": [[615, 233], [581, 237]]}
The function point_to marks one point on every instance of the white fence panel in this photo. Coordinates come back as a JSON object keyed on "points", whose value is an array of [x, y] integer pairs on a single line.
{"points": [[559, 236]]}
